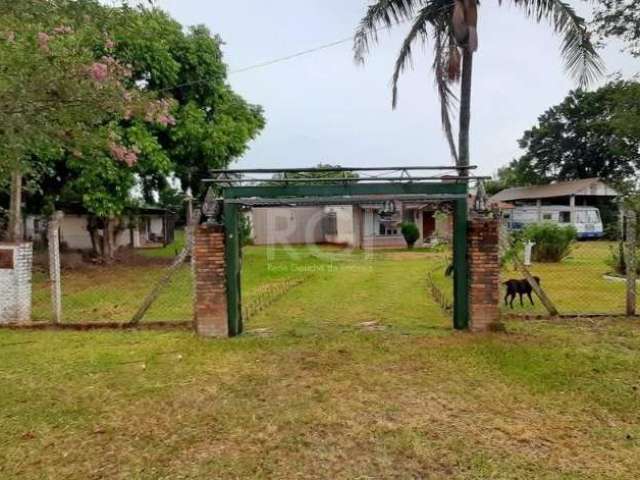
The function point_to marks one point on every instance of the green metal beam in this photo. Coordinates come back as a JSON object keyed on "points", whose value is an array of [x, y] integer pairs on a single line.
{"points": [[289, 191]]}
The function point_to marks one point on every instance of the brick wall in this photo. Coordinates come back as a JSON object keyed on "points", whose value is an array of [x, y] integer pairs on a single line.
{"points": [[15, 283], [210, 308], [484, 274]]}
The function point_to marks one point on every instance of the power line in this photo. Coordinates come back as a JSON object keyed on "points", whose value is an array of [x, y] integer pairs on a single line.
{"points": [[292, 56], [284, 58]]}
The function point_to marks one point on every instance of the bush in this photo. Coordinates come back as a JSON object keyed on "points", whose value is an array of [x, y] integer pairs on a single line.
{"points": [[617, 260], [552, 242], [411, 233]]}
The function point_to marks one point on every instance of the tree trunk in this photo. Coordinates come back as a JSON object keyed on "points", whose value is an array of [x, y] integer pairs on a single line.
{"points": [[107, 241], [15, 208], [465, 111]]}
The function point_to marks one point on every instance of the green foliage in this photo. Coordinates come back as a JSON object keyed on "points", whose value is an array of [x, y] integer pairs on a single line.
{"points": [[617, 260], [63, 148], [245, 228], [619, 19], [589, 134], [325, 171], [410, 232], [553, 242]]}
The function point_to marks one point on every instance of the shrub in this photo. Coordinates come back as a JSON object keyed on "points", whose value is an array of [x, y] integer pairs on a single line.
{"points": [[617, 260], [553, 242], [411, 233]]}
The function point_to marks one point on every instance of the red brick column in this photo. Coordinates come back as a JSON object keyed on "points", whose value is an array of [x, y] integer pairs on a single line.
{"points": [[210, 309], [484, 274]]}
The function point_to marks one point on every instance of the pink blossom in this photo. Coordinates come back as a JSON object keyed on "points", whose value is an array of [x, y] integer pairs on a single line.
{"points": [[43, 41], [61, 30], [166, 120], [158, 112], [99, 72], [124, 154], [109, 44]]}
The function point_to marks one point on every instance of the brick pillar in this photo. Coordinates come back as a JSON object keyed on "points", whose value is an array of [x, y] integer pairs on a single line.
{"points": [[484, 274], [210, 308]]}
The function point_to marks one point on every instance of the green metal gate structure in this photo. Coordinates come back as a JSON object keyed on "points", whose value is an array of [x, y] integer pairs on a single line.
{"points": [[234, 191]]}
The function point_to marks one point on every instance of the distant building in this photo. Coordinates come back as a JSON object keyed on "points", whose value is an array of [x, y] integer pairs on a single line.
{"points": [[137, 228], [356, 226], [588, 192]]}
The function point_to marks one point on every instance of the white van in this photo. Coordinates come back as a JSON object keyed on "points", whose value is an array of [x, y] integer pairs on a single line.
{"points": [[587, 220]]}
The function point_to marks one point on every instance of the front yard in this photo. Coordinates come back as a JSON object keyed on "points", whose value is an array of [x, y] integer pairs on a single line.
{"points": [[354, 373]]}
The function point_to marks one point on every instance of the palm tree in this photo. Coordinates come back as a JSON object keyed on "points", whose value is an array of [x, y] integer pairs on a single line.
{"points": [[450, 25]]}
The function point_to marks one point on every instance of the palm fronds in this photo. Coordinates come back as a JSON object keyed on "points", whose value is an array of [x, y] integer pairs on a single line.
{"points": [[578, 52], [383, 13], [446, 69]]}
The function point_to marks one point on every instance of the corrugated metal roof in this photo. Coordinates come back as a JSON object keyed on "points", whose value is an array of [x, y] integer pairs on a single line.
{"points": [[586, 186]]}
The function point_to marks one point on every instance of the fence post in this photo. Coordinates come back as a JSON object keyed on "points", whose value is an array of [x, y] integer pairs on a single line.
{"points": [[631, 263], [53, 237]]}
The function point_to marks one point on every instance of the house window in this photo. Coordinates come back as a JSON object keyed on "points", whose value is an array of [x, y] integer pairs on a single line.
{"points": [[565, 217], [330, 223], [547, 216], [387, 230]]}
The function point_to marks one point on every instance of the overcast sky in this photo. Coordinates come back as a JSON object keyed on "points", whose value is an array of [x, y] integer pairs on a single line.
{"points": [[323, 108]]}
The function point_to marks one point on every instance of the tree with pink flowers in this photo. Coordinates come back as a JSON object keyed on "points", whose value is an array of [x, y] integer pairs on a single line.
{"points": [[98, 102], [58, 96]]}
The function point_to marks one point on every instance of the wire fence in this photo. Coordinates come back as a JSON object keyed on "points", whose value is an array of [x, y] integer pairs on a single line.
{"points": [[589, 278], [95, 292]]}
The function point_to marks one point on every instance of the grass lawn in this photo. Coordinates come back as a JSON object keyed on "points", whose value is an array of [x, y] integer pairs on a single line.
{"points": [[355, 373]]}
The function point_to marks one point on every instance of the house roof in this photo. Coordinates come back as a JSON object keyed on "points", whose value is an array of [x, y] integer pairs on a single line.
{"points": [[583, 187]]}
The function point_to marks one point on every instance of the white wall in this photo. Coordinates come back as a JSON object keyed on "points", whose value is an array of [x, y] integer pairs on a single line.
{"points": [[74, 233], [287, 225], [345, 223], [15, 284]]}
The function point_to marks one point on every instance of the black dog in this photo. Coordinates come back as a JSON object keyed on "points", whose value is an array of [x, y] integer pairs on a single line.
{"points": [[519, 287]]}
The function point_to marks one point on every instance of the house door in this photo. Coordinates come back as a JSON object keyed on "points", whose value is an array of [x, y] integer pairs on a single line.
{"points": [[428, 225]]}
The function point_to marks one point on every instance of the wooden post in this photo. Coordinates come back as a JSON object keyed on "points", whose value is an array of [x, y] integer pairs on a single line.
{"points": [[53, 236], [15, 208], [631, 262]]}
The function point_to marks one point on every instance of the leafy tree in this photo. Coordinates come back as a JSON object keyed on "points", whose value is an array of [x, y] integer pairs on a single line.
{"points": [[450, 27], [199, 124], [619, 19], [213, 124], [589, 134], [62, 95]]}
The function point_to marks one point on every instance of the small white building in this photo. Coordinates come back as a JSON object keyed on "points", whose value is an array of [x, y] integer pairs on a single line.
{"points": [[140, 228]]}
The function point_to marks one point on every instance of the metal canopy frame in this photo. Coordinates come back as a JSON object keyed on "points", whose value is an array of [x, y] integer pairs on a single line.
{"points": [[445, 189]]}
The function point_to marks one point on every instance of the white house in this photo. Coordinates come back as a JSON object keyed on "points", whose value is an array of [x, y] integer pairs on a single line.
{"points": [[356, 226], [139, 228]]}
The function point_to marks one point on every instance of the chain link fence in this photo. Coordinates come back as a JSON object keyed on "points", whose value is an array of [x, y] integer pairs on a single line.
{"points": [[92, 291], [586, 277]]}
